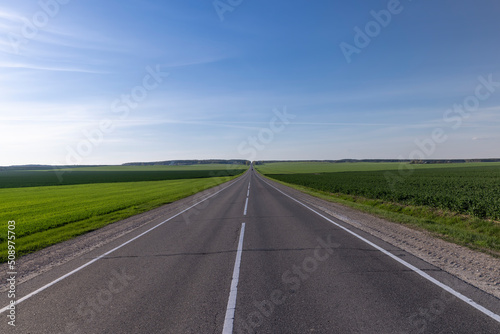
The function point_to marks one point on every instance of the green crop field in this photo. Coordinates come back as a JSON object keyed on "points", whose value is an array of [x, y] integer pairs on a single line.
{"points": [[48, 215], [108, 174], [326, 167], [461, 202], [146, 168]]}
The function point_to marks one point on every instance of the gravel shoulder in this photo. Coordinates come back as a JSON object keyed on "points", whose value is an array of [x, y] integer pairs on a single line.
{"points": [[478, 269]]}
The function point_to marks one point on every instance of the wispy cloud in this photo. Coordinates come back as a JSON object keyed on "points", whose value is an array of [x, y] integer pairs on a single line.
{"points": [[201, 60], [7, 15], [495, 138], [41, 67]]}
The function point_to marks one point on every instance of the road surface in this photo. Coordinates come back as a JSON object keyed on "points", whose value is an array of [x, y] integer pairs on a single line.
{"points": [[249, 259]]}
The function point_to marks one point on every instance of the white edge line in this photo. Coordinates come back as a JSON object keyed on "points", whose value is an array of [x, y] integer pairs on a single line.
{"points": [[20, 300], [246, 207], [231, 303], [457, 294]]}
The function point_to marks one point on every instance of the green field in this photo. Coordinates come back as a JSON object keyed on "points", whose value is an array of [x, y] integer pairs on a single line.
{"points": [[460, 202], [108, 174], [46, 215], [146, 168], [327, 167]]}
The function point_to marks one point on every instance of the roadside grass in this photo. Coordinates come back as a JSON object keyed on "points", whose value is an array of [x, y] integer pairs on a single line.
{"points": [[48, 215], [466, 230]]}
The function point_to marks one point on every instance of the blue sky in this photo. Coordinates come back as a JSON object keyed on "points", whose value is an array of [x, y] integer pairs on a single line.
{"points": [[223, 73]]}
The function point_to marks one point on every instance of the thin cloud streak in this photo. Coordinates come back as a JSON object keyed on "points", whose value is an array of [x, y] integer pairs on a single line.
{"points": [[47, 68]]}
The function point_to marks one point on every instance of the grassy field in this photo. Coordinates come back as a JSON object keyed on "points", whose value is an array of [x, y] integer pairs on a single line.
{"points": [[46, 215], [461, 203], [109, 174]]}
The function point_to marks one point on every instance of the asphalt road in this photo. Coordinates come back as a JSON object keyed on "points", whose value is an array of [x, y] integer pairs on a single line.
{"points": [[249, 259]]}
